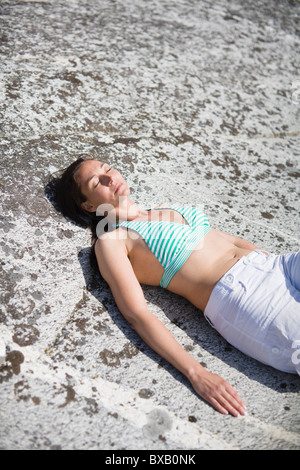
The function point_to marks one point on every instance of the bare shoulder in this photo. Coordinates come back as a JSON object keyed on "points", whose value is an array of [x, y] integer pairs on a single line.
{"points": [[114, 240]]}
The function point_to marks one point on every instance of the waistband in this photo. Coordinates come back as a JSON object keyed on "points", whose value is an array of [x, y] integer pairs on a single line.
{"points": [[257, 257]]}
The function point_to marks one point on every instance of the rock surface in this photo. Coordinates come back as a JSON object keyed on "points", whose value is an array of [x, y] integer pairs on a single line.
{"points": [[195, 102]]}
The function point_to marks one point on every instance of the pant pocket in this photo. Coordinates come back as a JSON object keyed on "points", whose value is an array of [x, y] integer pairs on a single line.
{"points": [[233, 299], [264, 298]]}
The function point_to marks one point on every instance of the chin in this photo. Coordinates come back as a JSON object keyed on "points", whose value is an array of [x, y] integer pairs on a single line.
{"points": [[126, 191]]}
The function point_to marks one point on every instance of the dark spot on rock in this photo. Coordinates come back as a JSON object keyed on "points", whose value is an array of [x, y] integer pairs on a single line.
{"points": [[67, 233], [109, 358], [81, 324], [192, 419], [17, 313], [227, 126], [6, 373], [126, 140], [185, 138], [37, 295], [25, 335], [294, 174], [129, 351], [145, 393], [21, 390], [71, 77], [112, 359], [103, 327], [92, 407], [15, 358], [267, 215], [70, 396], [36, 400], [206, 149], [163, 156]]}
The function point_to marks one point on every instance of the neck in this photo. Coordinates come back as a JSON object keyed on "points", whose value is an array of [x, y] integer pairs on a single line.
{"points": [[126, 210]]}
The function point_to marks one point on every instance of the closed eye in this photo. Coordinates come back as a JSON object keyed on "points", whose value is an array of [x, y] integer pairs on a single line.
{"points": [[98, 178]]}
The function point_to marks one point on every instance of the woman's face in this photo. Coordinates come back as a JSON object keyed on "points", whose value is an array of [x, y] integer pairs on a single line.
{"points": [[100, 184]]}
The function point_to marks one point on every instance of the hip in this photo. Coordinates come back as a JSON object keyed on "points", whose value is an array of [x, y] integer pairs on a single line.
{"points": [[249, 303]]}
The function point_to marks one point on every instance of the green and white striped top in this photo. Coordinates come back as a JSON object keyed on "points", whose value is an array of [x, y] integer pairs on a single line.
{"points": [[171, 242]]}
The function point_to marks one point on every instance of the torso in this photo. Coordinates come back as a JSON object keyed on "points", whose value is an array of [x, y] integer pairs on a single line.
{"points": [[211, 259]]}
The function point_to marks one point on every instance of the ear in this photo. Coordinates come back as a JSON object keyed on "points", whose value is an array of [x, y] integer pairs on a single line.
{"points": [[87, 206]]}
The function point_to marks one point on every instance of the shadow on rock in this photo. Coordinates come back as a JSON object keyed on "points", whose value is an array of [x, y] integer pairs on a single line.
{"points": [[192, 321]]}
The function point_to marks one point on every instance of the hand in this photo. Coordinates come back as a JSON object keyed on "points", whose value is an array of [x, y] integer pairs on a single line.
{"points": [[219, 393]]}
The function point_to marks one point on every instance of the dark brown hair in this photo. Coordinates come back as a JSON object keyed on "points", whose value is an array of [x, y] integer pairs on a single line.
{"points": [[65, 194]]}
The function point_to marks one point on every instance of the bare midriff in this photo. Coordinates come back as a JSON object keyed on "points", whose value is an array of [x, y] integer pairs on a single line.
{"points": [[211, 259]]}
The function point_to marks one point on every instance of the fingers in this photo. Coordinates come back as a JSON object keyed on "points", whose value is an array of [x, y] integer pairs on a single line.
{"points": [[227, 401], [225, 398], [219, 393]]}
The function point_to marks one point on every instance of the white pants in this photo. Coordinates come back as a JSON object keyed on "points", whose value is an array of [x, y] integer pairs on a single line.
{"points": [[256, 307]]}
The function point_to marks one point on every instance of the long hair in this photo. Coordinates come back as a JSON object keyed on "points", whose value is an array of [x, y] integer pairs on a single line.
{"points": [[65, 194]]}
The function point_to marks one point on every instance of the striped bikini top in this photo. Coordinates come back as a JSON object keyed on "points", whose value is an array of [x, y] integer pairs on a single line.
{"points": [[171, 242]]}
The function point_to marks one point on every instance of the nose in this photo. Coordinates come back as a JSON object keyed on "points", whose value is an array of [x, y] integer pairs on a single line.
{"points": [[106, 180]]}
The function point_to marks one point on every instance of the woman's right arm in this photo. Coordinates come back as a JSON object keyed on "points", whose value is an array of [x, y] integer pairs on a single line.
{"points": [[116, 269]]}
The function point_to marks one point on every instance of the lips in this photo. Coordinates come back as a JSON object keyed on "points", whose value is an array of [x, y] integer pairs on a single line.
{"points": [[117, 188]]}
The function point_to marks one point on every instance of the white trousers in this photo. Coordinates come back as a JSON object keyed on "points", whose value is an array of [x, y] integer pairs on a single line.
{"points": [[256, 307]]}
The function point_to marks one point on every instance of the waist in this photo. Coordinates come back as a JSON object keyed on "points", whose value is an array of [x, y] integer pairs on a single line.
{"points": [[182, 255], [232, 278], [204, 269]]}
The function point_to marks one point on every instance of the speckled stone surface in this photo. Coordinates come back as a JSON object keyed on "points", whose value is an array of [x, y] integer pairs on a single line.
{"points": [[196, 102]]}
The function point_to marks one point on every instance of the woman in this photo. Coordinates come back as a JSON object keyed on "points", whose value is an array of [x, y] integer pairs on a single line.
{"points": [[252, 298]]}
